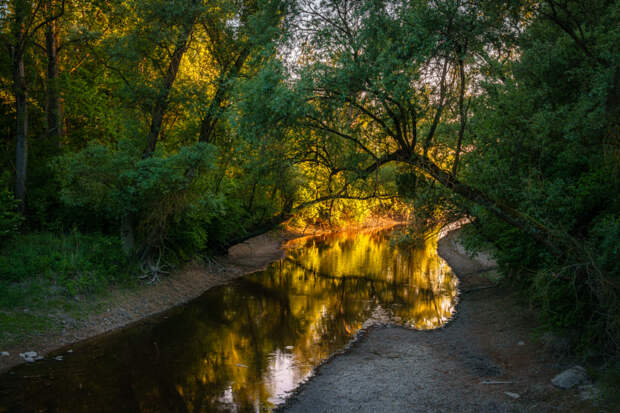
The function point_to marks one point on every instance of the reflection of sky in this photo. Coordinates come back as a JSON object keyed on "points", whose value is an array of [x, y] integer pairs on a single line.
{"points": [[227, 399], [284, 375]]}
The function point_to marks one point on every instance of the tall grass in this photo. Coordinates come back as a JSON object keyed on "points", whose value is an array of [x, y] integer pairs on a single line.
{"points": [[37, 268]]}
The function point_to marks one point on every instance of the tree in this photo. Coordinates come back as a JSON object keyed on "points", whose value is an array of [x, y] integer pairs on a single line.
{"points": [[53, 105], [25, 19], [547, 142], [257, 25], [188, 15], [384, 77]]}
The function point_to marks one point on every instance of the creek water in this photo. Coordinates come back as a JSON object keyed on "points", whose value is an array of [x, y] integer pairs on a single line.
{"points": [[246, 345]]}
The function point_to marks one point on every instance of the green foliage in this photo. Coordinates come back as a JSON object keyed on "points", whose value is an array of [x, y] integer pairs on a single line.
{"points": [[264, 106], [432, 203], [185, 199], [10, 218], [610, 382], [378, 103], [154, 191], [605, 276], [36, 267], [410, 238], [546, 144], [206, 226], [20, 325]]}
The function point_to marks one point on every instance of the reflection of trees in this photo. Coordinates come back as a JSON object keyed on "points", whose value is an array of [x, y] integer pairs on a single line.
{"points": [[414, 285], [313, 301], [225, 347]]}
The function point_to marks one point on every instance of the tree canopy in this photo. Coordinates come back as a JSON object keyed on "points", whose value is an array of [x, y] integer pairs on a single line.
{"points": [[180, 127]]}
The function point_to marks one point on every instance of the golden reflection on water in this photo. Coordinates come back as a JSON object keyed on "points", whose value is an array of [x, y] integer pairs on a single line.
{"points": [[310, 305], [244, 346], [416, 285]]}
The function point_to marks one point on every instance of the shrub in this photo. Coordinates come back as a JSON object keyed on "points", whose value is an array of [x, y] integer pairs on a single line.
{"points": [[152, 194]]}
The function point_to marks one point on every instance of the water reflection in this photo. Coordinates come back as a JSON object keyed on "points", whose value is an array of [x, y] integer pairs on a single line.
{"points": [[244, 346]]}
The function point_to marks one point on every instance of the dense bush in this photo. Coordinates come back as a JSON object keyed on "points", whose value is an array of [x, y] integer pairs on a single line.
{"points": [[149, 194], [546, 140]]}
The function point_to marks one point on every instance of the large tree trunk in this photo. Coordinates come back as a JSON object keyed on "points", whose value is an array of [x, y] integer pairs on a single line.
{"points": [[462, 117], [207, 126], [161, 103], [524, 222], [21, 128], [546, 236], [128, 236], [53, 105]]}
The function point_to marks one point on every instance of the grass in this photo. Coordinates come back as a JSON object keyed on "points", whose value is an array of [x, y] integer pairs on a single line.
{"points": [[17, 326], [609, 379], [43, 274]]}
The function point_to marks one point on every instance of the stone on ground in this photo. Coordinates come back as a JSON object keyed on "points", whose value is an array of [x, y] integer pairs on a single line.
{"points": [[570, 378]]}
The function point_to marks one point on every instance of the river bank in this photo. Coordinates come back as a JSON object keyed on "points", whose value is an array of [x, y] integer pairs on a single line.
{"points": [[486, 360], [123, 307]]}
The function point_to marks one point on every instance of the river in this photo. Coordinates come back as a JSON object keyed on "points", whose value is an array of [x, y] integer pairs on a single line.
{"points": [[246, 345]]}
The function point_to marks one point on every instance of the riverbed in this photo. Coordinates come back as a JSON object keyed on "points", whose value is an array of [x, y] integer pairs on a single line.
{"points": [[246, 345]]}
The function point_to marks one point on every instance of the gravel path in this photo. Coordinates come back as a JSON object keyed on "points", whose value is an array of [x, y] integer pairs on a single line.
{"points": [[455, 369]]}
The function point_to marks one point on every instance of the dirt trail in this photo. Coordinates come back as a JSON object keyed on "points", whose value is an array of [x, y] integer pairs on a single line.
{"points": [[123, 307], [454, 369]]}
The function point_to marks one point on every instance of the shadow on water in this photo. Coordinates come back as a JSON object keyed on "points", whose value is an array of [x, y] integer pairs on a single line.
{"points": [[244, 346]]}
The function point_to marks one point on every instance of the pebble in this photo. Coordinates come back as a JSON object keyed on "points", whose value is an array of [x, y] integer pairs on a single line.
{"points": [[69, 351], [30, 356], [570, 378], [124, 313], [511, 394], [521, 343]]}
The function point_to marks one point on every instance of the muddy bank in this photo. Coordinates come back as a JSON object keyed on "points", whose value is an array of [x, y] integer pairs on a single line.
{"points": [[123, 307], [485, 360]]}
